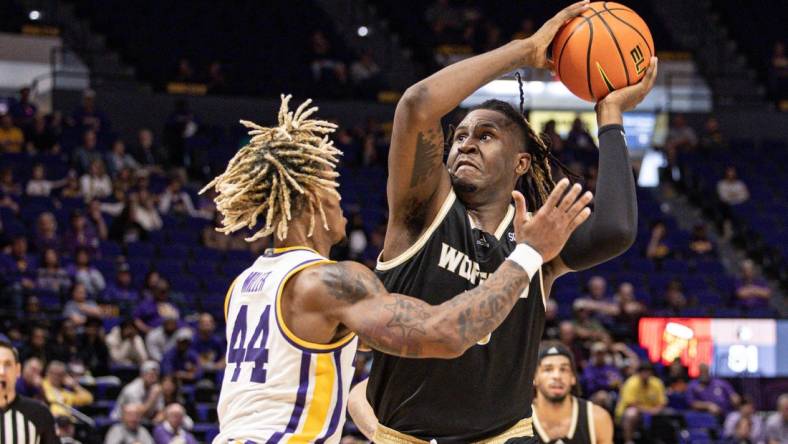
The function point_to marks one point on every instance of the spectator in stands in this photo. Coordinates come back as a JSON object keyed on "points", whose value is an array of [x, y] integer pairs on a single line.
{"points": [[96, 183], [681, 137], [62, 391], [8, 185], [122, 290], [148, 152], [629, 308], [174, 199], [185, 72], [144, 212], [658, 247], [23, 110], [568, 337], [641, 393], [172, 428], [712, 138], [157, 305], [600, 376], [674, 299], [554, 140], [79, 309], [65, 347], [86, 274], [96, 219], [712, 395], [328, 71], [208, 345], [34, 315], [752, 291], [144, 390], [700, 245], [126, 346], [41, 138], [587, 328], [163, 337], [601, 306], [85, 154], [38, 185], [676, 379], [12, 140], [93, 350], [181, 361], [777, 423], [746, 410], [46, 236], [365, 74], [71, 190], [731, 189], [18, 267], [80, 235], [36, 346], [87, 116], [130, 429], [118, 158], [181, 125], [171, 390], [551, 321], [216, 82], [30, 382], [579, 139]]}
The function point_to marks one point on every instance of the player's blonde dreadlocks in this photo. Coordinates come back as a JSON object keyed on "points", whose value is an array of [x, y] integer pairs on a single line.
{"points": [[277, 172]]}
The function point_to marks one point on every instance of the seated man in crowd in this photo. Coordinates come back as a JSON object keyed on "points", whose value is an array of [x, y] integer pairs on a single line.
{"points": [[642, 393], [29, 384], [62, 391], [712, 395], [777, 424], [126, 346], [130, 429], [172, 430], [144, 390]]}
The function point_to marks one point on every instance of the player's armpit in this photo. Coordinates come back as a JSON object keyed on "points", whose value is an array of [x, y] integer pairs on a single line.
{"points": [[603, 425]]}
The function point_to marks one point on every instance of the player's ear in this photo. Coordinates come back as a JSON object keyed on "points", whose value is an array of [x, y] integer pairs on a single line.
{"points": [[523, 163]]}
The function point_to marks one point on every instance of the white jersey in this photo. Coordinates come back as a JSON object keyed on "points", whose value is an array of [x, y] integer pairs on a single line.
{"points": [[278, 388]]}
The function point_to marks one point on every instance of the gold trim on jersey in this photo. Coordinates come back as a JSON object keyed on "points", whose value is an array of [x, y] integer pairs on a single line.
{"points": [[289, 333], [425, 236], [227, 298], [590, 415], [295, 247], [507, 219], [385, 435], [540, 430], [320, 402]]}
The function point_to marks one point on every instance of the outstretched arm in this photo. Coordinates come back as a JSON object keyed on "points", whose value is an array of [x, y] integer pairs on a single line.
{"points": [[417, 178], [349, 294], [612, 227]]}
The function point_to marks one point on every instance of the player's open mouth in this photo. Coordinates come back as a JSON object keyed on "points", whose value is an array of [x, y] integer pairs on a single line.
{"points": [[465, 164]]}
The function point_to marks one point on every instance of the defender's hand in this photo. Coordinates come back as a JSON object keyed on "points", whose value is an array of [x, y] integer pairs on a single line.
{"points": [[543, 38], [551, 226]]}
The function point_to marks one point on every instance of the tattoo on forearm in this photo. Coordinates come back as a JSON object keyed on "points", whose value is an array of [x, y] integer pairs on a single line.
{"points": [[348, 287], [428, 156]]}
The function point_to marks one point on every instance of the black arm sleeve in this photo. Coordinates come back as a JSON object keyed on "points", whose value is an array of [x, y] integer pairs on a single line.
{"points": [[612, 227]]}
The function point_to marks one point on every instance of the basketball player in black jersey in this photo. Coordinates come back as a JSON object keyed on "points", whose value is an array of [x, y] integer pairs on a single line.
{"points": [[450, 226], [560, 416]]}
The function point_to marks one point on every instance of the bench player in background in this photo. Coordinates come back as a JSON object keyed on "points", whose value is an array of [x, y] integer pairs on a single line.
{"points": [[293, 315], [560, 415]]}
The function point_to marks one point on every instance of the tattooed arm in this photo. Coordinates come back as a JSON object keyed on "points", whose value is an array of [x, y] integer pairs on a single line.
{"points": [[418, 182], [350, 294]]}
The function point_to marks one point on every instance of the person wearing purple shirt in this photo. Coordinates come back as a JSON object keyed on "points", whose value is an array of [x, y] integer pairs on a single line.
{"points": [[712, 395], [121, 291], [752, 291], [600, 377], [80, 234], [29, 382], [172, 428], [181, 361], [210, 347]]}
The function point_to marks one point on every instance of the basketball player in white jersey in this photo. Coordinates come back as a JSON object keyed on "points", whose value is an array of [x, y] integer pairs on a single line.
{"points": [[293, 315]]}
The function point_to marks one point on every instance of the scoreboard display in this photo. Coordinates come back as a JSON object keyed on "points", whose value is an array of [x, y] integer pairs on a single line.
{"points": [[730, 347]]}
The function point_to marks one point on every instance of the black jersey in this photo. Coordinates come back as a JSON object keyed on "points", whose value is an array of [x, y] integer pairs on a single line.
{"points": [[581, 428], [490, 387], [26, 421]]}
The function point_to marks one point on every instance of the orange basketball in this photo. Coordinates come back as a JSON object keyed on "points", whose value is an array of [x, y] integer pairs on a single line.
{"points": [[608, 47]]}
